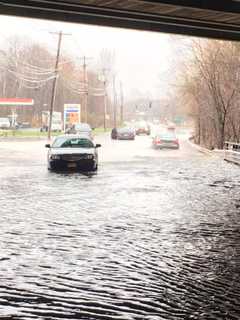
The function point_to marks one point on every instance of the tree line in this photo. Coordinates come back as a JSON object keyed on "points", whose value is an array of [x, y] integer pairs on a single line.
{"points": [[209, 85]]}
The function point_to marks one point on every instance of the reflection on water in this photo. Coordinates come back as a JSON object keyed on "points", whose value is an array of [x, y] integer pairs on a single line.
{"points": [[153, 239]]}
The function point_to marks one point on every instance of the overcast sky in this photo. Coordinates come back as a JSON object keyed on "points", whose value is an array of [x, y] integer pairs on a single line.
{"points": [[143, 59]]}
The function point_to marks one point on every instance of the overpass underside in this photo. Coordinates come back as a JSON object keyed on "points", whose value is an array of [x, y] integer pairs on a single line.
{"points": [[213, 19]]}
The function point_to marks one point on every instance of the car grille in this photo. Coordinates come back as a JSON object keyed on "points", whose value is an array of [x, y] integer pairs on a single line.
{"points": [[76, 157], [125, 135]]}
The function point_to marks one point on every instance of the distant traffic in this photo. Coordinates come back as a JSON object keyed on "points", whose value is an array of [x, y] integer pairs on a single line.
{"points": [[77, 150], [74, 146]]}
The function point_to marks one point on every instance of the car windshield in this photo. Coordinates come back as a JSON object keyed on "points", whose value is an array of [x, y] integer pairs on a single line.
{"points": [[82, 127], [167, 136], [72, 143]]}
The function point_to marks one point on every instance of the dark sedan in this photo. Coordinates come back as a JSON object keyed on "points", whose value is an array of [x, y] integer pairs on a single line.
{"points": [[126, 134], [114, 134]]}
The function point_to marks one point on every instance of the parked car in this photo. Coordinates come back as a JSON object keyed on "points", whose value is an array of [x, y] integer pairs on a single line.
{"points": [[80, 128], [73, 152], [5, 123], [165, 140], [126, 133], [143, 128], [114, 133], [23, 125]]}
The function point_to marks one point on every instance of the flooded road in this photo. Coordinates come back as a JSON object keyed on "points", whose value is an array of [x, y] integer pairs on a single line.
{"points": [[153, 235]]}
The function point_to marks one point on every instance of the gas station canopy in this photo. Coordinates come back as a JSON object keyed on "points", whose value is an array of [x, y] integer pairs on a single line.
{"points": [[16, 102], [205, 18]]}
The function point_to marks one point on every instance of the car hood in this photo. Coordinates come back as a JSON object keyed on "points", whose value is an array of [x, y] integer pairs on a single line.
{"points": [[72, 150]]}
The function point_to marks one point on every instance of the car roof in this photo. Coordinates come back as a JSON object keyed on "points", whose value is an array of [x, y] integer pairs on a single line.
{"points": [[83, 125], [74, 136], [126, 129], [166, 134]]}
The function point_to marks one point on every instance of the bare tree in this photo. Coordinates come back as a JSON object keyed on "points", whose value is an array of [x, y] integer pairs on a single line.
{"points": [[211, 83]]}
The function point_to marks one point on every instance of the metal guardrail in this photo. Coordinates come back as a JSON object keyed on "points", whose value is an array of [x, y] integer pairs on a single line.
{"points": [[232, 152]]}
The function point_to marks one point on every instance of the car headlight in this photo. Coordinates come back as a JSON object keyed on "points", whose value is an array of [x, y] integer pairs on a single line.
{"points": [[89, 156], [55, 157]]}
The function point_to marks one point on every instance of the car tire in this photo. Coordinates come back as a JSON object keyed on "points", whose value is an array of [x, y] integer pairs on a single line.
{"points": [[95, 168]]}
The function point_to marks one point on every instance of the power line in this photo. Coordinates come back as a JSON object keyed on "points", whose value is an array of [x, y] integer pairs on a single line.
{"points": [[35, 68], [22, 77]]}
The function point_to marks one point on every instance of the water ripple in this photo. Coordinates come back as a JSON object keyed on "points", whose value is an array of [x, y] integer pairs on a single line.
{"points": [[146, 240]]}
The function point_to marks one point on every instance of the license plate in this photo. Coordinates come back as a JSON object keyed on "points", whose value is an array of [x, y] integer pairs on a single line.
{"points": [[72, 165]]}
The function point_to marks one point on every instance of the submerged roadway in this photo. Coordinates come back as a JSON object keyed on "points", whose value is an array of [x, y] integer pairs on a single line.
{"points": [[152, 235]]}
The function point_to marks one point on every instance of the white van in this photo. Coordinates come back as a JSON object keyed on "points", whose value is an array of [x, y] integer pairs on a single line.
{"points": [[5, 123], [57, 124]]}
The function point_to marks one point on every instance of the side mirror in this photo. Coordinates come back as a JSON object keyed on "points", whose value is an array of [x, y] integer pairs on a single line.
{"points": [[47, 145], [98, 145]]}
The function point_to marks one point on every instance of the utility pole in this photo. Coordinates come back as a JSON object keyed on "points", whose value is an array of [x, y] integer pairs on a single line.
{"points": [[85, 85], [114, 103], [54, 87], [85, 89], [104, 78], [105, 105], [121, 102]]}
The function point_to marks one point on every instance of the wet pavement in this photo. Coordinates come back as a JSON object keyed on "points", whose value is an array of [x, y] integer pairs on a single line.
{"points": [[153, 235]]}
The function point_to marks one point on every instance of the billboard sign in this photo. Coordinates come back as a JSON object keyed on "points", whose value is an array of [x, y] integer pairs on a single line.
{"points": [[72, 114]]}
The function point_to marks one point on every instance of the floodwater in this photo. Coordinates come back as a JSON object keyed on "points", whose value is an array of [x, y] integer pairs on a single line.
{"points": [[153, 235]]}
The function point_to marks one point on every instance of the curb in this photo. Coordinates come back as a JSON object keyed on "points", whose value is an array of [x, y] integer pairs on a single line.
{"points": [[200, 148], [215, 152]]}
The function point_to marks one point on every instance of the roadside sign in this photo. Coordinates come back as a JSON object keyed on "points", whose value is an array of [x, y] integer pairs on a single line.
{"points": [[72, 114]]}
